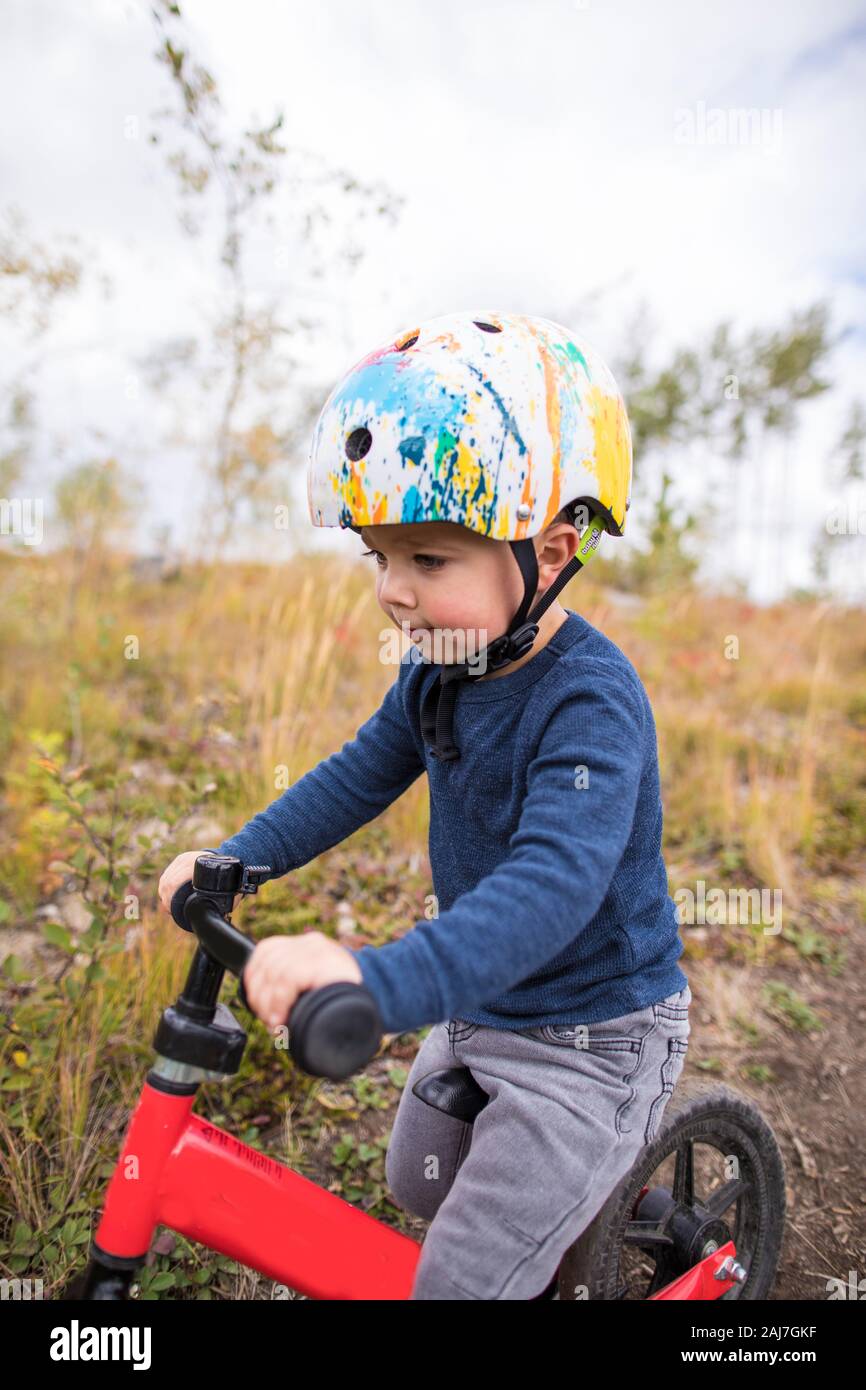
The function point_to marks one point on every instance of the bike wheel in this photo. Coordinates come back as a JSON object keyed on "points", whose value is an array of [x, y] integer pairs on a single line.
{"points": [[713, 1173], [97, 1283]]}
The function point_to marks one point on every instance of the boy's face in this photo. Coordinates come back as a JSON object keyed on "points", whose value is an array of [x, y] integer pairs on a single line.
{"points": [[436, 574]]}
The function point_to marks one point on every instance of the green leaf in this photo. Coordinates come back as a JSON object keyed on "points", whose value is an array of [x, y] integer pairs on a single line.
{"points": [[21, 1235], [14, 967], [58, 936], [19, 1082], [5, 911], [162, 1281]]}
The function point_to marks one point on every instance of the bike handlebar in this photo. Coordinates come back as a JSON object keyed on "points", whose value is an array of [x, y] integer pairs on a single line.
{"points": [[333, 1030]]}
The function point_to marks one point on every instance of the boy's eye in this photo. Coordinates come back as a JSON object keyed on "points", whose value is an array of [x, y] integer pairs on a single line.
{"points": [[377, 553], [435, 561]]}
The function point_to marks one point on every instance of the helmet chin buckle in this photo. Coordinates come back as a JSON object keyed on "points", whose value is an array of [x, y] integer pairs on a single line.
{"points": [[511, 646]]}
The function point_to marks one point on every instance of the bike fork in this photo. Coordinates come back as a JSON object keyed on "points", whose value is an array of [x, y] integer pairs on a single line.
{"points": [[129, 1216]]}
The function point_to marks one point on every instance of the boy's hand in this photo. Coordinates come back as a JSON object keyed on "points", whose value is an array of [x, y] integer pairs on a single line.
{"points": [[178, 872], [282, 967]]}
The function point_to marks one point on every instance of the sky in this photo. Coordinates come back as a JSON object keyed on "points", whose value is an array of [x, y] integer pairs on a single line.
{"points": [[552, 158]]}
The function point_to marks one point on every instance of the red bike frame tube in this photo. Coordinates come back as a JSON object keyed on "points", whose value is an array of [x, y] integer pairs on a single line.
{"points": [[699, 1282], [179, 1171]]}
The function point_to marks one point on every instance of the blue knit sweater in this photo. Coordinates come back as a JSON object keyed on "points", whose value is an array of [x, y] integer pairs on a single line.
{"points": [[545, 842]]}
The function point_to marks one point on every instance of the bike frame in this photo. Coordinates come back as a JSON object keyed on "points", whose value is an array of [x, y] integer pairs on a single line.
{"points": [[178, 1170]]}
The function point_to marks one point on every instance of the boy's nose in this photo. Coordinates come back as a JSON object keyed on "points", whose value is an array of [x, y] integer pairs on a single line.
{"points": [[397, 594]]}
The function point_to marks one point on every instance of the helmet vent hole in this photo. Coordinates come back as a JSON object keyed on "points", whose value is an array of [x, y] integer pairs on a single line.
{"points": [[358, 444], [486, 327], [407, 343]]}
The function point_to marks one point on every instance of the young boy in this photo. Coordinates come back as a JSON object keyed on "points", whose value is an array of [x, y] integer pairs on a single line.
{"points": [[549, 967]]}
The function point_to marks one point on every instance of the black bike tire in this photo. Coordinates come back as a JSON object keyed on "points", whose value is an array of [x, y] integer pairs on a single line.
{"points": [[586, 1262]]}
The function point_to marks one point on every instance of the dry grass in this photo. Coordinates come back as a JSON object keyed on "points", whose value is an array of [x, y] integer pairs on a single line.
{"points": [[244, 678]]}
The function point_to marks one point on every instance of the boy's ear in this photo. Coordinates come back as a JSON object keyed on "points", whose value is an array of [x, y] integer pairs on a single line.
{"points": [[571, 539]]}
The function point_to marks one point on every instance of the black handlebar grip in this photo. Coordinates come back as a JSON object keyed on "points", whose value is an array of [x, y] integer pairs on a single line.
{"points": [[334, 1030], [179, 897], [178, 903]]}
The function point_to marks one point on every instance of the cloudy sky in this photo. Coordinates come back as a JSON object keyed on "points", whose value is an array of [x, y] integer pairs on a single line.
{"points": [[539, 151]]}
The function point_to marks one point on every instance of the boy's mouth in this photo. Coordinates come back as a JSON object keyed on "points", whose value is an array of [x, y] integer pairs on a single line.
{"points": [[413, 627]]}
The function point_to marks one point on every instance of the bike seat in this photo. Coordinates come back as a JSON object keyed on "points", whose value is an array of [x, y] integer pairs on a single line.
{"points": [[454, 1091]]}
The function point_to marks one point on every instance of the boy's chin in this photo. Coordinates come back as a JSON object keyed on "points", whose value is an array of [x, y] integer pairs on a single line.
{"points": [[434, 648]]}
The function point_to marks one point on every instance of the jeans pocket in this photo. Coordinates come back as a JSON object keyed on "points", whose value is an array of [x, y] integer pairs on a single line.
{"points": [[622, 1034]]}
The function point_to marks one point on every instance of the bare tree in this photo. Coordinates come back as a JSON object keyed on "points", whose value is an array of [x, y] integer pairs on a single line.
{"points": [[255, 348], [723, 400], [33, 280]]}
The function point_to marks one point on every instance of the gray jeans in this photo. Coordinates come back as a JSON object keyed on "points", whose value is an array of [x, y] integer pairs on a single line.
{"points": [[570, 1109]]}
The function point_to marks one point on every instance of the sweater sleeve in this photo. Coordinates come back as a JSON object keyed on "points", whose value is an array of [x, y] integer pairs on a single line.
{"points": [[341, 793], [561, 860]]}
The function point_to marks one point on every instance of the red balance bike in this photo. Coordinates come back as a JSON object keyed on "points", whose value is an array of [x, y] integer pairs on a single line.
{"points": [[699, 1216]]}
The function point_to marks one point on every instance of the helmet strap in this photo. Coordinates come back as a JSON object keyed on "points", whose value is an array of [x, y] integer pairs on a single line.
{"points": [[438, 708], [522, 631]]}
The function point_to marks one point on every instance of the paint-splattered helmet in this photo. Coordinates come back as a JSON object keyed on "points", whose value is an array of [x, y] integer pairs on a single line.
{"points": [[493, 421], [496, 422]]}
